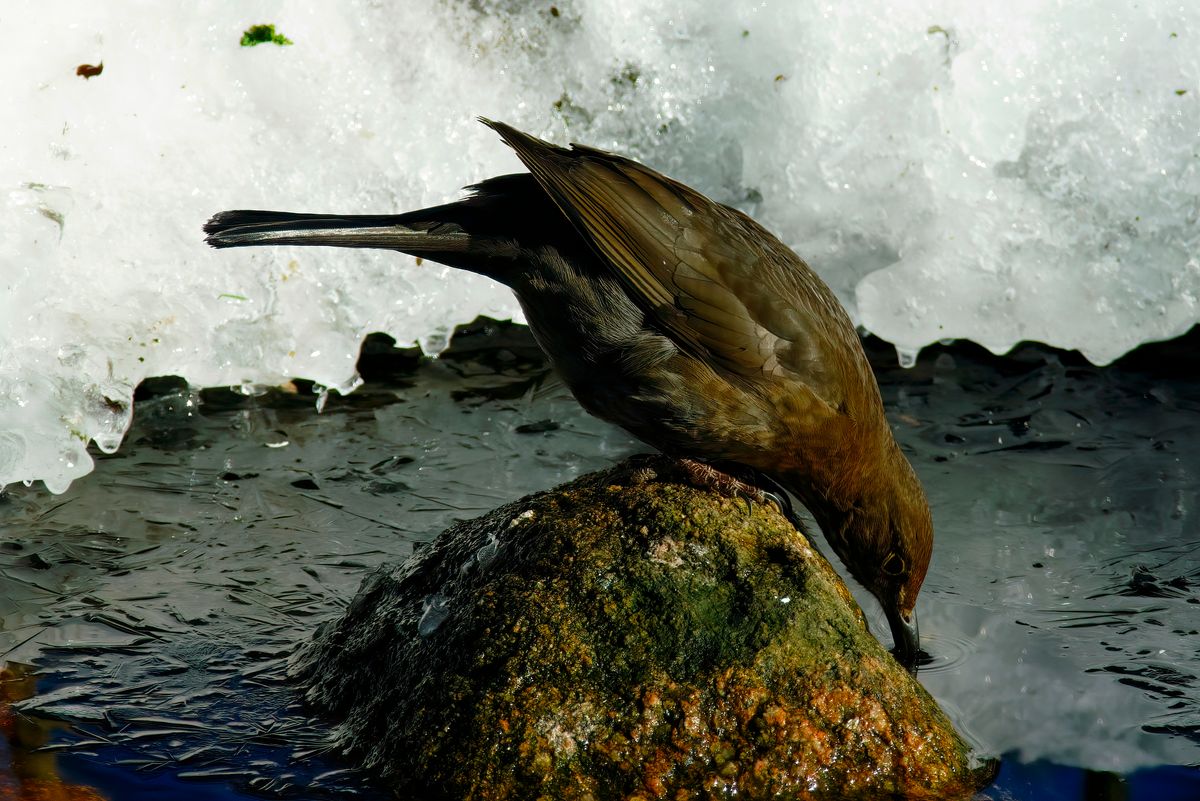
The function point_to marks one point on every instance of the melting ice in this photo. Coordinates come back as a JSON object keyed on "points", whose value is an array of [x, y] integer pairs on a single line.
{"points": [[954, 169]]}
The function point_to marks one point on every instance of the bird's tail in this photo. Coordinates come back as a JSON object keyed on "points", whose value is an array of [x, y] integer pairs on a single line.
{"points": [[489, 232], [418, 234]]}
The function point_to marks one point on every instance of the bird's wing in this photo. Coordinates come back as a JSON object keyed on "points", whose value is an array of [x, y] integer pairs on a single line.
{"points": [[716, 282]]}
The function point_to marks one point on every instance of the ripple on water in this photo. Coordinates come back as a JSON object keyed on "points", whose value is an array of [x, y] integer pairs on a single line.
{"points": [[944, 651]]}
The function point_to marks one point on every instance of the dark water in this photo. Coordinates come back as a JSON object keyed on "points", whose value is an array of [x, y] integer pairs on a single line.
{"points": [[146, 615]]}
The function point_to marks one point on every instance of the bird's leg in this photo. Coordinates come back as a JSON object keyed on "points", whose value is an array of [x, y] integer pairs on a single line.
{"points": [[705, 476], [708, 476]]}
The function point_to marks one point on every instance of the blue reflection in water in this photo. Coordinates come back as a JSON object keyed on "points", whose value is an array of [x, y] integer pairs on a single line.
{"points": [[1046, 781]]}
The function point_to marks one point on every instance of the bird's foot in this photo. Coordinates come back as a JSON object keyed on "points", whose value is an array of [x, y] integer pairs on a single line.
{"points": [[706, 476]]}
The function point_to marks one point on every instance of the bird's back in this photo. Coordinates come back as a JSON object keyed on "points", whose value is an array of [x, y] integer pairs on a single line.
{"points": [[722, 287]]}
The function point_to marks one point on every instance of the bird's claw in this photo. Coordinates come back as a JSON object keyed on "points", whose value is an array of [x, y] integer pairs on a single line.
{"points": [[754, 495], [748, 499], [781, 504]]}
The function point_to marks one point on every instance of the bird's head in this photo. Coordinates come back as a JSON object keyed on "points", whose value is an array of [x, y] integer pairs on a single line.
{"points": [[885, 540]]}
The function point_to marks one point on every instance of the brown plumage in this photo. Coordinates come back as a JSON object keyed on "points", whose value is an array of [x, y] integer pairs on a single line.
{"points": [[683, 321]]}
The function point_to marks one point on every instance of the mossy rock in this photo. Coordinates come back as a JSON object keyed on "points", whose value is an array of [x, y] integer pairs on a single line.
{"points": [[627, 636]]}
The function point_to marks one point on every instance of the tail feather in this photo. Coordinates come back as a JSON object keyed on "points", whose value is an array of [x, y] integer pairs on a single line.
{"points": [[493, 231], [244, 228]]}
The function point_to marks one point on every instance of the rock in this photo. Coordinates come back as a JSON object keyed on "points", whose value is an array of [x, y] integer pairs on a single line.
{"points": [[627, 636]]}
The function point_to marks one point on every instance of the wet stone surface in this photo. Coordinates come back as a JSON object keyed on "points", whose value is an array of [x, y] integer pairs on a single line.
{"points": [[157, 601], [627, 636]]}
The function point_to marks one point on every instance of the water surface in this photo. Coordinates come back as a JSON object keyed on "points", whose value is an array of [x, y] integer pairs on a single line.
{"points": [[146, 615]]}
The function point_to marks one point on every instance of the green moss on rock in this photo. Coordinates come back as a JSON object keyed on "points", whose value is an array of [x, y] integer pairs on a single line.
{"points": [[627, 636]]}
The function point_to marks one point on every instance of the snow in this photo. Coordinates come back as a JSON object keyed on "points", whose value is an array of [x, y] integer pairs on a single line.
{"points": [[997, 172]]}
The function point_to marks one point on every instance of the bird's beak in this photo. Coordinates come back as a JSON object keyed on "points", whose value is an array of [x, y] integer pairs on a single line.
{"points": [[906, 636]]}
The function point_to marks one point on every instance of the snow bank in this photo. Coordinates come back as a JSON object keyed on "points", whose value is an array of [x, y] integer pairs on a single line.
{"points": [[997, 172]]}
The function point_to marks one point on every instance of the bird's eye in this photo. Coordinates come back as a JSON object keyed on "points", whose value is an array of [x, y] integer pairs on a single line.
{"points": [[894, 564]]}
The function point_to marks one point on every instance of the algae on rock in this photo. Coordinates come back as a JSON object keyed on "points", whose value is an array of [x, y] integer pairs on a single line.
{"points": [[627, 636]]}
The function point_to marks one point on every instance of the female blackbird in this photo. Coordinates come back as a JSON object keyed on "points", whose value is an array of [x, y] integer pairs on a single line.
{"points": [[682, 321]]}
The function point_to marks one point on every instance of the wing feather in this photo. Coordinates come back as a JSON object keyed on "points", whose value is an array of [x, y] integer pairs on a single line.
{"points": [[713, 280]]}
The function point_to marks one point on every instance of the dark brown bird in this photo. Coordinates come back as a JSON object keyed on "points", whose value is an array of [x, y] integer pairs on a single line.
{"points": [[684, 322]]}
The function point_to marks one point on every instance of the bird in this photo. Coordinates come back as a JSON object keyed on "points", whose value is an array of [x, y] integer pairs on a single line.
{"points": [[686, 323]]}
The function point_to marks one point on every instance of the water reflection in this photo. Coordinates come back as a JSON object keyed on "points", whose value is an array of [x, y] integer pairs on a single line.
{"points": [[27, 770], [1043, 780]]}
